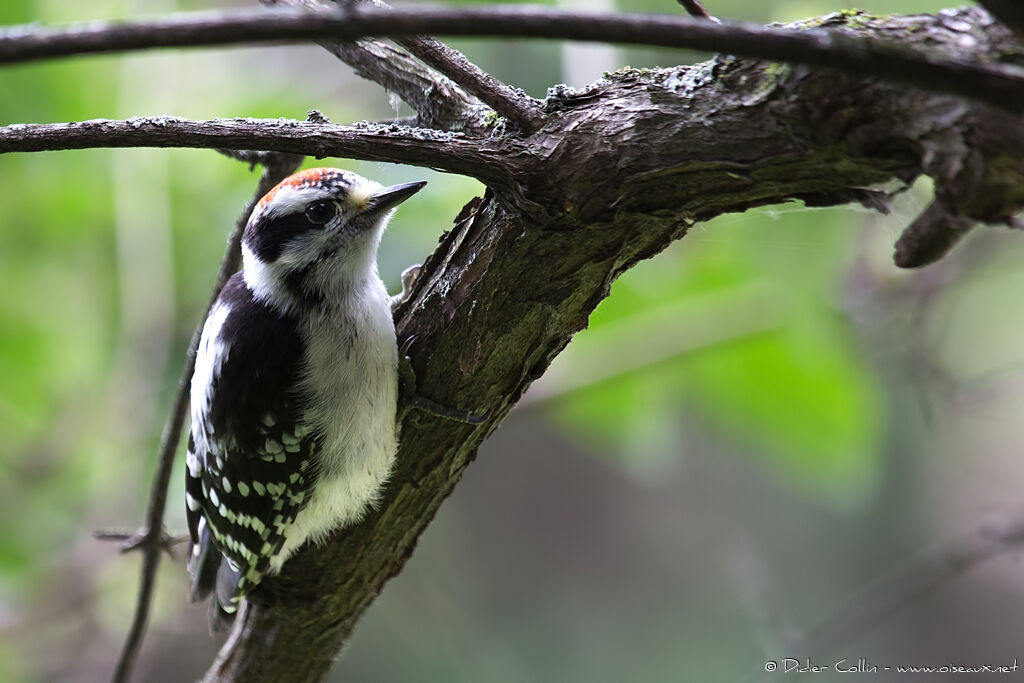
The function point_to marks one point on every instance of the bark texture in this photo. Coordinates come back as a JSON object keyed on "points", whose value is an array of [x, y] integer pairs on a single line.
{"points": [[615, 173]]}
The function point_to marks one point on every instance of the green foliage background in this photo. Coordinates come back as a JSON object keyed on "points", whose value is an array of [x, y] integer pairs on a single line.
{"points": [[755, 424]]}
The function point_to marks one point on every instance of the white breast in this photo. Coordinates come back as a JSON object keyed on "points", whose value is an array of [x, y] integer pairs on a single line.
{"points": [[351, 369]]}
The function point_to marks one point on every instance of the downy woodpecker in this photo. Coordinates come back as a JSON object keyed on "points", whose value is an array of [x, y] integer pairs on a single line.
{"points": [[295, 387]]}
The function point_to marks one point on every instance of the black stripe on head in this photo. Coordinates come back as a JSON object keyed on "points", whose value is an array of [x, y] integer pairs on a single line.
{"points": [[297, 282], [267, 237]]}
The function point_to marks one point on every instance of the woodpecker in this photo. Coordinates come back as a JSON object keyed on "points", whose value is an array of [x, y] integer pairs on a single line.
{"points": [[294, 394]]}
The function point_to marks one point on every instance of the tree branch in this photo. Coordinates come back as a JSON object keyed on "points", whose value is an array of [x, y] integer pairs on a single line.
{"points": [[369, 141], [1010, 12], [450, 96], [695, 9], [151, 540], [439, 103], [1000, 86], [513, 104], [909, 583]]}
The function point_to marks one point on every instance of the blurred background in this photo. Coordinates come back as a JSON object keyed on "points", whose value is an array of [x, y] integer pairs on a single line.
{"points": [[759, 424]]}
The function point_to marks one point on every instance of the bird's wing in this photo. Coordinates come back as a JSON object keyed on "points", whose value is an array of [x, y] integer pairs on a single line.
{"points": [[251, 458]]}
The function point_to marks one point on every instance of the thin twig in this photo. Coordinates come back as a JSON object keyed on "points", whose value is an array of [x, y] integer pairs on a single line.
{"points": [[133, 541], [931, 235], [1009, 12], [439, 103], [909, 583], [442, 96], [998, 85], [513, 104], [111, 535], [153, 538], [696, 9]]}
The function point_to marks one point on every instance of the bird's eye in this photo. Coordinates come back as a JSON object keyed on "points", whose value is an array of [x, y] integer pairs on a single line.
{"points": [[319, 213]]}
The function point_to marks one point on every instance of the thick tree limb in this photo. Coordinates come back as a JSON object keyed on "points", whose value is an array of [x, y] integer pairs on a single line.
{"points": [[997, 85], [617, 173]]}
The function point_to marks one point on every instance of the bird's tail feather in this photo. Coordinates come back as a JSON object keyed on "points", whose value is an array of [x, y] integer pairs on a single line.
{"points": [[214, 577], [203, 562]]}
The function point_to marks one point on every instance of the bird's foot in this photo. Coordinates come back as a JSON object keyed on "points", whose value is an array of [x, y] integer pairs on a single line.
{"points": [[409, 276]]}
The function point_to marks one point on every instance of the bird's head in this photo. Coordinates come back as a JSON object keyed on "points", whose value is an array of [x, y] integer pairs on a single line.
{"points": [[315, 235]]}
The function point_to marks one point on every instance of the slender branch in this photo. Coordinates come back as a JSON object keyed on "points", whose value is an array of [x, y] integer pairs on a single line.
{"points": [[930, 236], [997, 85], [695, 9], [513, 104], [372, 142], [911, 582], [141, 539], [455, 69], [438, 102], [129, 538], [153, 539], [1010, 12]]}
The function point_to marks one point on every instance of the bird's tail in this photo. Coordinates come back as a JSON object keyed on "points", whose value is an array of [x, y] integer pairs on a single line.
{"points": [[213, 576]]}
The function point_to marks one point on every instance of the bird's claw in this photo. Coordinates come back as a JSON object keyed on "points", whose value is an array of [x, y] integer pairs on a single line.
{"points": [[409, 276]]}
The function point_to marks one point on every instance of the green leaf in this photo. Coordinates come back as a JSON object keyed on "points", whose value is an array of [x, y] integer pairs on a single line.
{"points": [[800, 400], [737, 335]]}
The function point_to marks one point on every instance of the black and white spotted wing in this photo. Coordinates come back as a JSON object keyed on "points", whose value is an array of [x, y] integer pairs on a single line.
{"points": [[251, 460]]}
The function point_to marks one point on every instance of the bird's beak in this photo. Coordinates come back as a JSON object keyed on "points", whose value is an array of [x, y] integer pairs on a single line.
{"points": [[390, 197]]}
